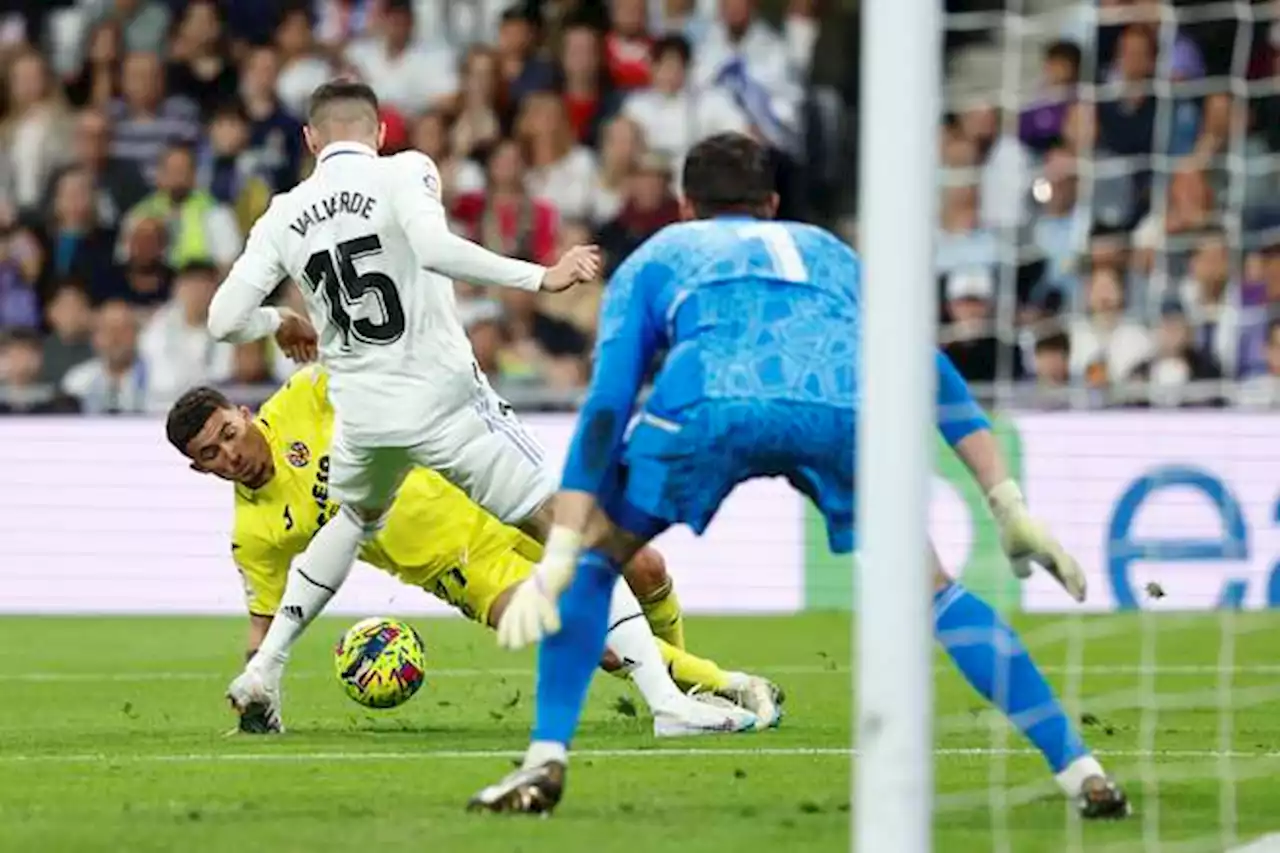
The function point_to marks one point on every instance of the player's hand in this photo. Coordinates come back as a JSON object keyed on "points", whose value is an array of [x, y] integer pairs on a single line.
{"points": [[578, 265], [531, 614], [297, 337], [1027, 542]]}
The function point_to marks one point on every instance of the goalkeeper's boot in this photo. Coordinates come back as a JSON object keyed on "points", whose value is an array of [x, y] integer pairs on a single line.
{"points": [[702, 714], [1102, 799], [255, 695], [529, 790], [760, 696]]}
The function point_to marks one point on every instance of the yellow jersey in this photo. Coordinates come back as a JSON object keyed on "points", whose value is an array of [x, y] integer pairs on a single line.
{"points": [[434, 536]]}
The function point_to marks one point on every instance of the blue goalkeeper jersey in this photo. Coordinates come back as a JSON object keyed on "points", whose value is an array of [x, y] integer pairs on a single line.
{"points": [[743, 308]]}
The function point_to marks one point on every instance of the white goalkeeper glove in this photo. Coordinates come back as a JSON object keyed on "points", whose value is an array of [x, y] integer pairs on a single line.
{"points": [[534, 609], [1026, 541]]}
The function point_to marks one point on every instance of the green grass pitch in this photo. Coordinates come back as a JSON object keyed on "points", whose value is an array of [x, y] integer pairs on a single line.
{"points": [[112, 738]]}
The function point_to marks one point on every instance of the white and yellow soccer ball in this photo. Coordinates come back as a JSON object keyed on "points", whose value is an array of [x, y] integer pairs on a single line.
{"points": [[381, 662]]}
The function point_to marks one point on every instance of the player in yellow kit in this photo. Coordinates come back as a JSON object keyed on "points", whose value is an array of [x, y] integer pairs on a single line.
{"points": [[434, 537]]}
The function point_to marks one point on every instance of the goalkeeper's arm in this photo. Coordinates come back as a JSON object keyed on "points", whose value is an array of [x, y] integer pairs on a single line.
{"points": [[1024, 539]]}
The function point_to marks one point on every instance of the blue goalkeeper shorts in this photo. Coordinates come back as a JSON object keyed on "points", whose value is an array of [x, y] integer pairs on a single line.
{"points": [[679, 468]]}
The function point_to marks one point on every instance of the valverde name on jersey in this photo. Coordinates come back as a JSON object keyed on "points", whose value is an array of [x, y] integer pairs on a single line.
{"points": [[351, 203]]}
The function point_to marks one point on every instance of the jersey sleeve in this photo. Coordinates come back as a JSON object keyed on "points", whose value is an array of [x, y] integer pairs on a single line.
{"points": [[420, 213], [959, 414], [263, 567], [236, 314], [629, 337]]}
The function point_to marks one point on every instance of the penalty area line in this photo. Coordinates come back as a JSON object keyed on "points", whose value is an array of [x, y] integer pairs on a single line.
{"points": [[489, 754]]}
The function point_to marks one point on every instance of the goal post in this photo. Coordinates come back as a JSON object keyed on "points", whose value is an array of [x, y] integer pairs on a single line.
{"points": [[901, 85]]}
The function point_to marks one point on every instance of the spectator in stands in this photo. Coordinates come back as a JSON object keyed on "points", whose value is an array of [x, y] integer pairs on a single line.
{"points": [[649, 207], [70, 320], [627, 45], [97, 83], [682, 18], [960, 243], [275, 135], [504, 218], [1260, 304], [620, 148], [1113, 200], [480, 115], [1210, 300], [1005, 171], [199, 227], [200, 65], [144, 23], [145, 120], [35, 128], [457, 174], [1175, 365], [117, 184], [749, 59], [249, 364], [1105, 346], [970, 339], [338, 22], [1052, 360], [670, 113], [1160, 240], [144, 279], [411, 75], [74, 244], [302, 67], [115, 380], [483, 321], [544, 347], [1127, 123], [1040, 125], [560, 170], [1262, 391], [21, 391], [175, 343], [20, 265], [959, 157], [522, 71], [234, 174], [588, 97], [1061, 226]]}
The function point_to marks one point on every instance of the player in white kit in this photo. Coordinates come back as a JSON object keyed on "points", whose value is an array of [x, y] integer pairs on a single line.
{"points": [[367, 240]]}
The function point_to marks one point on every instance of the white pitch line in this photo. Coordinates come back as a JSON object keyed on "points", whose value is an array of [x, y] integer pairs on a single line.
{"points": [[446, 754], [506, 672]]}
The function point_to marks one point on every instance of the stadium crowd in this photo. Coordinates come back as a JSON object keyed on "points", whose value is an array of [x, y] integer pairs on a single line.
{"points": [[1115, 240]]}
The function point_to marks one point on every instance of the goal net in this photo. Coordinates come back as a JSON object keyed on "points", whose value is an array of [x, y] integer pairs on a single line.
{"points": [[1108, 259]]}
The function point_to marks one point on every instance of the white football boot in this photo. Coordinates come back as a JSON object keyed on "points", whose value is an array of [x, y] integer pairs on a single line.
{"points": [[758, 695], [702, 714], [255, 694]]}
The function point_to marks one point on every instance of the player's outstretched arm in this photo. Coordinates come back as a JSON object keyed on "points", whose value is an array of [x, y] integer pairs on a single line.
{"points": [[421, 215], [628, 340], [1025, 540]]}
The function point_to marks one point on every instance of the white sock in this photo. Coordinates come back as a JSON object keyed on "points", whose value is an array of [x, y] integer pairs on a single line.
{"points": [[543, 751], [631, 640], [315, 578], [1071, 779]]}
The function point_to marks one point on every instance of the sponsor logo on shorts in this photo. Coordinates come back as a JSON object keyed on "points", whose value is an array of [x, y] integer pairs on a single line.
{"points": [[299, 455]]}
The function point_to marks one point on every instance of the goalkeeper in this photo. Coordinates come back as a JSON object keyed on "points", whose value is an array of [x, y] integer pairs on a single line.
{"points": [[759, 323]]}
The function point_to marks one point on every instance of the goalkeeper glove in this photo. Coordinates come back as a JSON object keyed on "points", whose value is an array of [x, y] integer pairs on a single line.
{"points": [[533, 611], [1027, 541]]}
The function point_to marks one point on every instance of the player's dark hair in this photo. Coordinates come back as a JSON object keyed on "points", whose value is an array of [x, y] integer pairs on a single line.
{"points": [[728, 172], [189, 414], [338, 91], [676, 44]]}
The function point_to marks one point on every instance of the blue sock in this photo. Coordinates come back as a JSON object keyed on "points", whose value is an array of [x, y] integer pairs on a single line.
{"points": [[991, 657], [567, 661]]}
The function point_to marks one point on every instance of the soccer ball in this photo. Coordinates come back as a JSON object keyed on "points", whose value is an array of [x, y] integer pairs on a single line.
{"points": [[380, 662]]}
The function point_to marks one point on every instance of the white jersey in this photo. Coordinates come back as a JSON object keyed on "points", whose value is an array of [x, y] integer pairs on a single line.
{"points": [[367, 241]]}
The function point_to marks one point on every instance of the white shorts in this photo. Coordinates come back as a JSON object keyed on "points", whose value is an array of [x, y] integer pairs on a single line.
{"points": [[481, 448]]}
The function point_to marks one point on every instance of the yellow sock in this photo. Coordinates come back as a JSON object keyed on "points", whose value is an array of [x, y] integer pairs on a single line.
{"points": [[688, 670], [662, 610]]}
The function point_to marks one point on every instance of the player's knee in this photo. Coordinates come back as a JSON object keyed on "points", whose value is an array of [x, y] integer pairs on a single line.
{"points": [[647, 572]]}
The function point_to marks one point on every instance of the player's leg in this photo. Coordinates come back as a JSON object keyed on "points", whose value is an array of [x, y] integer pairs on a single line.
{"points": [[647, 576], [991, 657], [364, 482]]}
